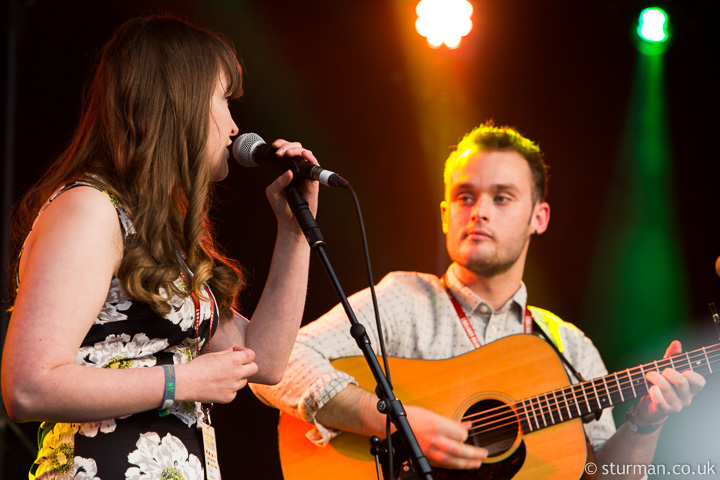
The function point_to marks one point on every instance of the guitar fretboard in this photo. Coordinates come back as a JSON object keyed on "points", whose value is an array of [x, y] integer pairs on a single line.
{"points": [[580, 399], [584, 398]]}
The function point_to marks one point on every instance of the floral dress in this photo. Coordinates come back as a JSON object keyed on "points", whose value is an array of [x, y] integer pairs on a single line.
{"points": [[146, 445]]}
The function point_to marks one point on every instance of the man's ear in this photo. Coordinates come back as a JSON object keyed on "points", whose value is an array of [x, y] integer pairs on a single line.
{"points": [[444, 216], [540, 218]]}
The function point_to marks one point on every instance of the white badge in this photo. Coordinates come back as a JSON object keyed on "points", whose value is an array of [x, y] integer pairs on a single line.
{"points": [[212, 467]]}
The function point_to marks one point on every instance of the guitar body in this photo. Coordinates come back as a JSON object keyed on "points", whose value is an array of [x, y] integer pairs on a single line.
{"points": [[501, 372]]}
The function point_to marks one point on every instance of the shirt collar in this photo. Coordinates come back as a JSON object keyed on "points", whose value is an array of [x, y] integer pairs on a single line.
{"points": [[471, 301]]}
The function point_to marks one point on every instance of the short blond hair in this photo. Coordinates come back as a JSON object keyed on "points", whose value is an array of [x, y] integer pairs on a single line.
{"points": [[490, 137]]}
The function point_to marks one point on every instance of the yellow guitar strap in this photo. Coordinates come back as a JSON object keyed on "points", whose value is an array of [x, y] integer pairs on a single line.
{"points": [[550, 323]]}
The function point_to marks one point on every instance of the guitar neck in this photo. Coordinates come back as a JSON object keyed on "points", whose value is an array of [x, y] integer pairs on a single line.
{"points": [[584, 398]]}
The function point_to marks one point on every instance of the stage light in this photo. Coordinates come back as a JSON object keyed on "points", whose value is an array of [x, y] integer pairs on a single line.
{"points": [[444, 21], [639, 245], [652, 25], [653, 31]]}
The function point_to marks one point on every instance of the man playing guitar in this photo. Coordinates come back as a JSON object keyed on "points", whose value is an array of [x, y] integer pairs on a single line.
{"points": [[495, 184]]}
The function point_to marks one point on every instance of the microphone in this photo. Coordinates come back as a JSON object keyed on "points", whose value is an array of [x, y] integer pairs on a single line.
{"points": [[250, 150]]}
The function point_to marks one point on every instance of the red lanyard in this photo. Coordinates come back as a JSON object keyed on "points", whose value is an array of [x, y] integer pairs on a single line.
{"points": [[465, 321], [196, 302]]}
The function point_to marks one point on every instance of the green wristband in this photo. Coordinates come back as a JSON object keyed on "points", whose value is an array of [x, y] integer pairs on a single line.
{"points": [[169, 397]]}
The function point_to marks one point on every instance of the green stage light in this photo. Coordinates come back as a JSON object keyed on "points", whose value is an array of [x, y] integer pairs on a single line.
{"points": [[652, 25], [653, 31]]}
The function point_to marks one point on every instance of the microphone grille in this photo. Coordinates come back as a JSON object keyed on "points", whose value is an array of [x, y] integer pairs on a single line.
{"points": [[243, 148]]}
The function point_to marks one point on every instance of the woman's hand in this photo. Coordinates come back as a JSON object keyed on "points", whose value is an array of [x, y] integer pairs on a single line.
{"points": [[308, 189], [215, 377]]}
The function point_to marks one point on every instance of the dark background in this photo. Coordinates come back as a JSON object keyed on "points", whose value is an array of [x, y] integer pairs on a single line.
{"points": [[355, 84]]}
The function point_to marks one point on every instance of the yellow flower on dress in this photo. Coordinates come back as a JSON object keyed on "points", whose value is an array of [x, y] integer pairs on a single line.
{"points": [[56, 459]]}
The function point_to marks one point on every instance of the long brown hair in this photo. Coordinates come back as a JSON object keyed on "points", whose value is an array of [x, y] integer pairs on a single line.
{"points": [[143, 136]]}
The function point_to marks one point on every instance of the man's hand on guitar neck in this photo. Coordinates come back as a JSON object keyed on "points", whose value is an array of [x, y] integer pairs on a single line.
{"points": [[671, 392], [441, 439]]}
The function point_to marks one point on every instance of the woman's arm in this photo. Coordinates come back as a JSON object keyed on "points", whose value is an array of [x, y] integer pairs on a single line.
{"points": [[275, 322], [65, 273]]}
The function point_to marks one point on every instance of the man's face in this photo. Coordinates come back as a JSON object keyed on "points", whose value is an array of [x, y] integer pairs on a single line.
{"points": [[488, 214]]}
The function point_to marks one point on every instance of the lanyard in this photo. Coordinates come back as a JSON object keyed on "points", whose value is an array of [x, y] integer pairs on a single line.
{"points": [[465, 321], [196, 303]]}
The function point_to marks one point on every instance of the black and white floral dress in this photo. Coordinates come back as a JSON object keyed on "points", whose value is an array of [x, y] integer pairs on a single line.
{"points": [[143, 446]]}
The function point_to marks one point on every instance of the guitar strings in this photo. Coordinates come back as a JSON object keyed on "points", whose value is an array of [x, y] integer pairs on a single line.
{"points": [[634, 380], [585, 390], [583, 387], [513, 417]]}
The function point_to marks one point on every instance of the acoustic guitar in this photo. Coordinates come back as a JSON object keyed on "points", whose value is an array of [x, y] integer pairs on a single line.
{"points": [[528, 435]]}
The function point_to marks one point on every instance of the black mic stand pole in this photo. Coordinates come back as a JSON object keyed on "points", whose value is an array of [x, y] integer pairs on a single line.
{"points": [[387, 404]]}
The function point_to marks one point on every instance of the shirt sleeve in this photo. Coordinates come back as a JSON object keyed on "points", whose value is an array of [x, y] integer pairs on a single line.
{"points": [[310, 380]]}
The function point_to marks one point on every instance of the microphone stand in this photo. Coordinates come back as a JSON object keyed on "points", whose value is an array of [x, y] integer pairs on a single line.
{"points": [[387, 404]]}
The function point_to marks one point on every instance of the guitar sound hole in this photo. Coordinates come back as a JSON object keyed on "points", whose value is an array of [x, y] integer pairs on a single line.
{"points": [[495, 426]]}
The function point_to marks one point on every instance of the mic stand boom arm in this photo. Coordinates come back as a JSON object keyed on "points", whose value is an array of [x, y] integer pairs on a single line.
{"points": [[387, 404]]}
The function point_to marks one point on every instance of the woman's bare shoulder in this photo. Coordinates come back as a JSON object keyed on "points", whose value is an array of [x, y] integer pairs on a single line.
{"points": [[83, 219]]}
